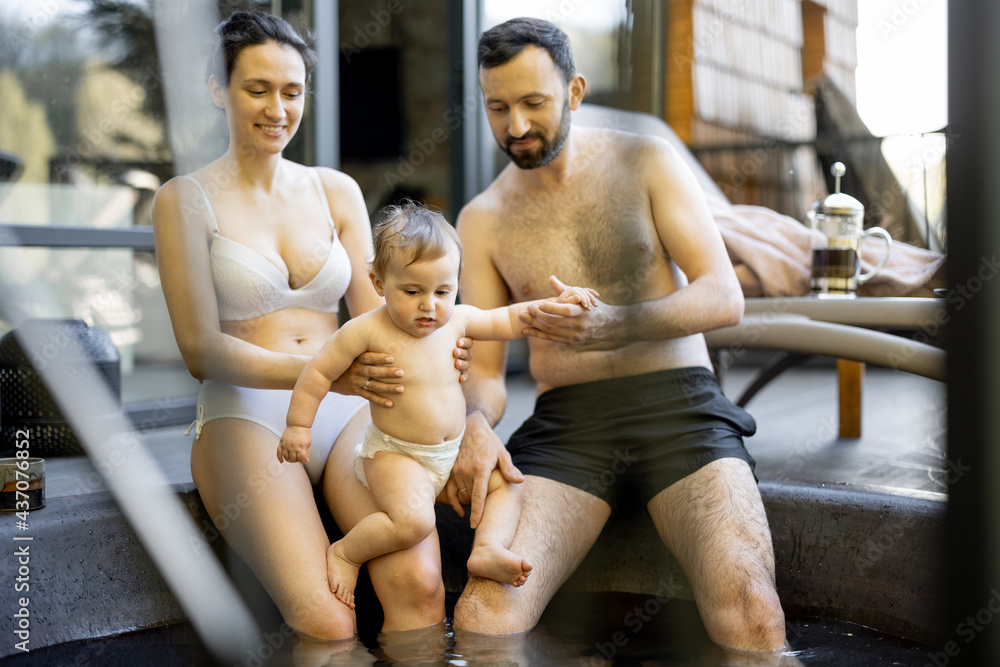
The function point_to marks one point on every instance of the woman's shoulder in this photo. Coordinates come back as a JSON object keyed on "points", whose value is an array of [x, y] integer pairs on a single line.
{"points": [[199, 184], [335, 181], [178, 183], [347, 202], [177, 191]]}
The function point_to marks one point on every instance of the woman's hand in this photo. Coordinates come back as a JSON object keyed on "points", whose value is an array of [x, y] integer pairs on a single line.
{"points": [[463, 356], [370, 377]]}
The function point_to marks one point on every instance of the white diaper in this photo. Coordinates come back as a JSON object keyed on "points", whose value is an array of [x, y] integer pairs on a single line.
{"points": [[437, 460]]}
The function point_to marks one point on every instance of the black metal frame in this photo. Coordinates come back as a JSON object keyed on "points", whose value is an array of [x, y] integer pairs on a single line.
{"points": [[62, 236], [973, 526]]}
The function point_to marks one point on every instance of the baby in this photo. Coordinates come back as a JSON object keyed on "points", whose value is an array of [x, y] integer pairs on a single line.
{"points": [[408, 450]]}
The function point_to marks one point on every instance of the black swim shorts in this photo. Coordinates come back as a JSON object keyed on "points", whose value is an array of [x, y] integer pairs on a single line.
{"points": [[637, 434]]}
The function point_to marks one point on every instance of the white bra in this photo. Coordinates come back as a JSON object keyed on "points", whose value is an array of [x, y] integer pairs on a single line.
{"points": [[248, 286]]}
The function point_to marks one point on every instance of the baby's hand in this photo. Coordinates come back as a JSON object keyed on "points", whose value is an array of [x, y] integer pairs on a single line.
{"points": [[584, 296], [294, 445]]}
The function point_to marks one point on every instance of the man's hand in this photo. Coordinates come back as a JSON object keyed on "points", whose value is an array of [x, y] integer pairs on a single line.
{"points": [[592, 326], [294, 445], [585, 297], [480, 453]]}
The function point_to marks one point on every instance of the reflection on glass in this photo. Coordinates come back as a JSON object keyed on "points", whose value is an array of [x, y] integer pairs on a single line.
{"points": [[87, 140], [593, 24], [607, 43], [615, 48], [117, 291]]}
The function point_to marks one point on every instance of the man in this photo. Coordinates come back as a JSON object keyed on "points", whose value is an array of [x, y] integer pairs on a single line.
{"points": [[626, 387]]}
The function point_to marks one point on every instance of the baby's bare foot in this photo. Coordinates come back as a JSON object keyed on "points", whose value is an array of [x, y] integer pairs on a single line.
{"points": [[342, 573], [492, 561]]}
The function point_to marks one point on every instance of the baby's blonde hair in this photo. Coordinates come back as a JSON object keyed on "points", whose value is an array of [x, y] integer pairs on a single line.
{"points": [[416, 229]]}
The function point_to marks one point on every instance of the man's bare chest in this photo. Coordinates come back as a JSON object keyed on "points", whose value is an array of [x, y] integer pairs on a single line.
{"points": [[597, 239]]}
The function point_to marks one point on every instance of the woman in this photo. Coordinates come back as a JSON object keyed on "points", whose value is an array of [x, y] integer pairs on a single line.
{"points": [[254, 253]]}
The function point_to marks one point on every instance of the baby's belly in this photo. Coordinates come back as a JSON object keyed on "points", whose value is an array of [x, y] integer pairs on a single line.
{"points": [[424, 415]]}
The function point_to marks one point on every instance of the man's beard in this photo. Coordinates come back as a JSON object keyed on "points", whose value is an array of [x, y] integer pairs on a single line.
{"points": [[548, 151]]}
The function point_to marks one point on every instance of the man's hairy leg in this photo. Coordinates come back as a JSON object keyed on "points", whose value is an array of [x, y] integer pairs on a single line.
{"points": [[713, 521], [559, 524]]}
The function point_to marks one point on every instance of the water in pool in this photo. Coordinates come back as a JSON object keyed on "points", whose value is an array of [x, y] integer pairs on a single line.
{"points": [[599, 629]]}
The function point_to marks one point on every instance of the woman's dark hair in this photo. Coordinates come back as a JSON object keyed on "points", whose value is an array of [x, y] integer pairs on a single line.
{"points": [[503, 42], [243, 29]]}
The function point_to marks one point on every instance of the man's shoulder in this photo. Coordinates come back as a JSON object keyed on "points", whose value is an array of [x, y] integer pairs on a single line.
{"points": [[634, 155], [482, 209], [623, 144]]}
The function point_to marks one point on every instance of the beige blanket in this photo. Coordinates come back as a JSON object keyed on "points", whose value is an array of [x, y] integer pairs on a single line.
{"points": [[772, 256]]}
